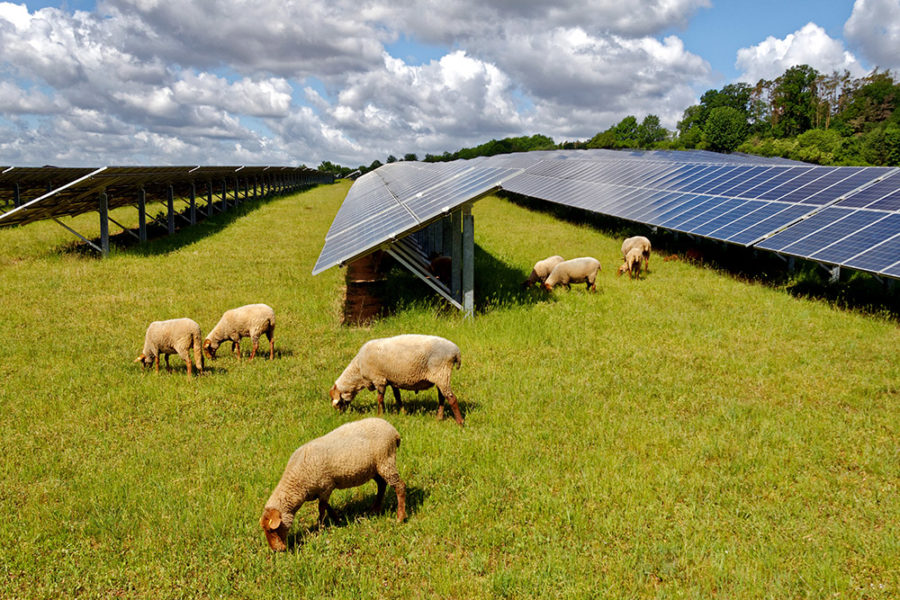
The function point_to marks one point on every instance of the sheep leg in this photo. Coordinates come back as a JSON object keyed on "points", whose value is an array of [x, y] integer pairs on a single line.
{"points": [[397, 398], [325, 507], [156, 362], [255, 341], [379, 497], [388, 470], [380, 400], [187, 360], [454, 405], [440, 415], [236, 349], [271, 335], [168, 368]]}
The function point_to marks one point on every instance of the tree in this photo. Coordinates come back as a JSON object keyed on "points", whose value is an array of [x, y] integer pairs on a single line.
{"points": [[794, 100], [391, 159], [725, 129], [410, 156], [627, 132], [690, 127], [650, 132]]}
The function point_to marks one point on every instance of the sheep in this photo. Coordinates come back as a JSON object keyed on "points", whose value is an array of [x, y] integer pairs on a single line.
{"points": [[541, 270], [641, 242], [409, 362], [442, 268], [349, 456], [632, 264], [250, 321], [175, 336], [572, 271]]}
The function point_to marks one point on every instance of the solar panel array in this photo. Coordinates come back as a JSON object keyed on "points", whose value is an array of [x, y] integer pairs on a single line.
{"points": [[37, 193], [845, 216]]}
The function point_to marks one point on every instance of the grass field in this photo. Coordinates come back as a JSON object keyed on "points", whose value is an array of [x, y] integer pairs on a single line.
{"points": [[688, 435]]}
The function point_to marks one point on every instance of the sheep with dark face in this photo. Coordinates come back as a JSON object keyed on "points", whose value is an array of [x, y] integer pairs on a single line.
{"points": [[349, 456], [252, 320], [576, 270], [175, 336], [408, 362], [542, 270]]}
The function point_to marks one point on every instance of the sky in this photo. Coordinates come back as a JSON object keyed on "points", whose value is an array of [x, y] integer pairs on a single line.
{"points": [[290, 82]]}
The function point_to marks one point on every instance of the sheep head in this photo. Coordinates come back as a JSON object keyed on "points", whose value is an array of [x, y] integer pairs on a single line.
{"points": [[144, 360], [340, 400], [209, 348], [275, 529]]}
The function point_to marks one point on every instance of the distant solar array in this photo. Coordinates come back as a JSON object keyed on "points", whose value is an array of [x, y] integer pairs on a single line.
{"points": [[842, 216], [37, 193]]}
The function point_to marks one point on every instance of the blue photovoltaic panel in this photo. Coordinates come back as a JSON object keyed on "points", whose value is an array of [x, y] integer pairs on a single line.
{"points": [[776, 204], [881, 226], [782, 218], [879, 257], [818, 221], [818, 240]]}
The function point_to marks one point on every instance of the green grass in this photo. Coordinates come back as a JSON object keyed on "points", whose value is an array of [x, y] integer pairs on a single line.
{"points": [[685, 435]]}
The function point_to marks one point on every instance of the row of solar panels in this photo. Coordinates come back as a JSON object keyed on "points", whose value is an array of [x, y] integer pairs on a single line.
{"points": [[846, 216], [37, 193]]}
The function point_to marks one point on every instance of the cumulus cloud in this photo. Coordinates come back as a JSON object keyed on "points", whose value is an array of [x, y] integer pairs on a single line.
{"points": [[809, 45], [874, 28]]}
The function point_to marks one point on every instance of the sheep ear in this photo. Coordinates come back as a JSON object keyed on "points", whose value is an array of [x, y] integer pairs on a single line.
{"points": [[207, 343], [271, 519], [140, 358]]}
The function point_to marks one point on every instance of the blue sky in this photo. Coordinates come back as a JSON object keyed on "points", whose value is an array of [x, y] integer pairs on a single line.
{"points": [[269, 82]]}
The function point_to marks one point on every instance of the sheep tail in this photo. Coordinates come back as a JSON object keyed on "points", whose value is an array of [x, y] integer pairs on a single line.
{"points": [[458, 360], [197, 344]]}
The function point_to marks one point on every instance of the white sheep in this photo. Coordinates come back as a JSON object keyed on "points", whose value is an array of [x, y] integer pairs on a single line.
{"points": [[409, 362], [641, 242], [175, 336], [632, 264], [575, 270], [349, 456], [251, 321], [542, 269]]}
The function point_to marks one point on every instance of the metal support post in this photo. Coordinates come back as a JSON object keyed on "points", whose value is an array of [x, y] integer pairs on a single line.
{"points": [[446, 235], [193, 203], [835, 275], [224, 195], [104, 224], [468, 262], [456, 255], [170, 210], [142, 215], [209, 200], [237, 184], [17, 197]]}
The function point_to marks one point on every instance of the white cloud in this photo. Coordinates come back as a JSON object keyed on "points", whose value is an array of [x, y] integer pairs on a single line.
{"points": [[810, 45], [874, 27]]}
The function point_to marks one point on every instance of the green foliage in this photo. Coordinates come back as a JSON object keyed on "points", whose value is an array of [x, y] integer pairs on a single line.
{"points": [[686, 435], [725, 129], [650, 132], [794, 101]]}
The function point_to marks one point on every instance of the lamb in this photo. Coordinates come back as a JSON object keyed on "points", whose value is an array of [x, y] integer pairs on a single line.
{"points": [[409, 362], [641, 242], [541, 270], [349, 456], [632, 264], [175, 336], [572, 271], [250, 321]]}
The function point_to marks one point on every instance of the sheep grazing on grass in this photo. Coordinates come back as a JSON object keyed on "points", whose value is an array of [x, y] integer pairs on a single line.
{"points": [[632, 264], [576, 270], [408, 362], [347, 457], [641, 242], [541, 270], [250, 321], [175, 336], [442, 269]]}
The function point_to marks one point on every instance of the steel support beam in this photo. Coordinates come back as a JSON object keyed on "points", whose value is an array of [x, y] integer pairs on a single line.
{"points": [[142, 215], [104, 224], [209, 199], [193, 202], [170, 210], [456, 255], [468, 262]]}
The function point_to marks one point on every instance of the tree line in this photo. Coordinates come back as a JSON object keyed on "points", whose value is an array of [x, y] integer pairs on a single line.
{"points": [[828, 119]]}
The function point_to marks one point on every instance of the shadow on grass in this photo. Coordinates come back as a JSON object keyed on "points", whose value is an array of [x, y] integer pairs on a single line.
{"points": [[856, 290], [158, 239], [359, 509], [424, 403], [497, 286]]}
